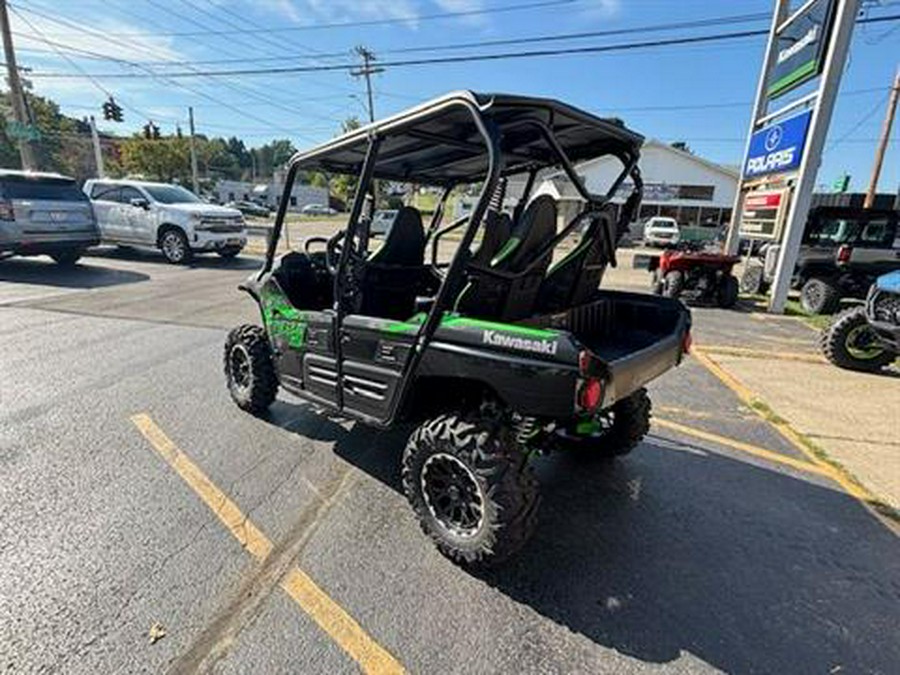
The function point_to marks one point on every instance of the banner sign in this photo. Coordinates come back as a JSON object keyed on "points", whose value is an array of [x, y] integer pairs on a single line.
{"points": [[778, 147], [763, 214], [801, 48]]}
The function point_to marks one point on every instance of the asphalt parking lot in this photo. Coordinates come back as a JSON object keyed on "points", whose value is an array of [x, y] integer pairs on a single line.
{"points": [[147, 525]]}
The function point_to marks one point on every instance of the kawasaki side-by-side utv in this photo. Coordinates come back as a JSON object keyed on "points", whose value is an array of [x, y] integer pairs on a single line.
{"points": [[497, 355]]}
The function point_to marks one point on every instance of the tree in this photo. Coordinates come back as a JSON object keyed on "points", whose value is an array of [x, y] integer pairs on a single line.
{"points": [[165, 159]]}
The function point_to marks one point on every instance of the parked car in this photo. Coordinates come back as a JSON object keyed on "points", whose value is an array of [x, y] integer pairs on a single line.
{"points": [[844, 249], [44, 213], [381, 222], [163, 216], [867, 337], [250, 208], [661, 231], [317, 210]]}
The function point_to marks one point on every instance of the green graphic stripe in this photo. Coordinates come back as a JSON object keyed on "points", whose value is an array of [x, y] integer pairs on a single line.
{"points": [[453, 321], [793, 77]]}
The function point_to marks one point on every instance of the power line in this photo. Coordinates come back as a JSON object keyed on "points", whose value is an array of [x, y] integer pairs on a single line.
{"points": [[532, 39], [353, 24], [595, 49]]}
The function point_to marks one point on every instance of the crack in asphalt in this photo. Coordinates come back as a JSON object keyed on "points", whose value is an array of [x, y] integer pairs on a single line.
{"points": [[215, 642]]}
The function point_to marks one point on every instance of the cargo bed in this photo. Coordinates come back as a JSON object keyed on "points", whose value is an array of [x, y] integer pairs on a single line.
{"points": [[639, 336]]}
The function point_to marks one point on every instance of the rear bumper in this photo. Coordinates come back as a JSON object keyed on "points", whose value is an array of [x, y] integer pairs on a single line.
{"points": [[48, 243]]}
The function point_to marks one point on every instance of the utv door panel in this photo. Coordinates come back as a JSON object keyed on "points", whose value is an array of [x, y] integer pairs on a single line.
{"points": [[320, 376], [373, 356]]}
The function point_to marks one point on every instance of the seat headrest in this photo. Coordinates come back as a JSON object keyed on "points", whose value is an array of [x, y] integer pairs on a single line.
{"points": [[536, 226], [405, 242]]}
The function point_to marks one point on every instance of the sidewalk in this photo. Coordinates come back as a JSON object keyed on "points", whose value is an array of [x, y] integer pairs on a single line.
{"points": [[853, 418]]}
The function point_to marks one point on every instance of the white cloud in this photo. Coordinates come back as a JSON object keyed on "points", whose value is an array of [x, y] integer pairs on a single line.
{"points": [[340, 11], [598, 9], [134, 43], [463, 6]]}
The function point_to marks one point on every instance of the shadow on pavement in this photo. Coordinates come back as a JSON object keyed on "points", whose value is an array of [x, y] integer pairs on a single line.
{"points": [[683, 550], [206, 260], [44, 272]]}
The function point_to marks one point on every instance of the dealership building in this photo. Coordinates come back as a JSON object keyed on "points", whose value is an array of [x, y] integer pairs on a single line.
{"points": [[677, 184]]}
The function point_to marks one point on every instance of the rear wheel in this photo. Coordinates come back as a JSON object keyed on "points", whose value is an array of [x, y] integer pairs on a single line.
{"points": [[820, 296], [68, 257], [612, 433], [673, 284], [249, 370], [470, 487], [727, 292], [851, 343], [174, 246]]}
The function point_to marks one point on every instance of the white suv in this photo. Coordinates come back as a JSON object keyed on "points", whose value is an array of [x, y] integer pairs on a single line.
{"points": [[163, 216], [661, 231]]}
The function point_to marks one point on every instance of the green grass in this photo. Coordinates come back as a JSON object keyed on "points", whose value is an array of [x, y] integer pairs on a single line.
{"points": [[815, 321]]}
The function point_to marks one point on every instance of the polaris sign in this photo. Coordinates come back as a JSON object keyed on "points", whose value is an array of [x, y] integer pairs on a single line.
{"points": [[778, 147]]}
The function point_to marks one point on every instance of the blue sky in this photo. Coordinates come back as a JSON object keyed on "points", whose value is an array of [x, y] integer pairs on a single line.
{"points": [[700, 94]]}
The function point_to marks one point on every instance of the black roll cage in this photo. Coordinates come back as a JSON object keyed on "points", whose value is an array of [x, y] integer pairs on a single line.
{"points": [[492, 137]]}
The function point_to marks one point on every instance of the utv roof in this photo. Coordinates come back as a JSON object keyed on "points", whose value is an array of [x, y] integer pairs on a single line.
{"points": [[442, 141]]}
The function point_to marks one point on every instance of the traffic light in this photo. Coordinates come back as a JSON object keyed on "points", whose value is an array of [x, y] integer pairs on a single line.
{"points": [[151, 131], [842, 184], [112, 110]]}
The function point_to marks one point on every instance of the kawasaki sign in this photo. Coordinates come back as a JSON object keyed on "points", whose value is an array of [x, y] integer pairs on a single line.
{"points": [[801, 48], [778, 147]]}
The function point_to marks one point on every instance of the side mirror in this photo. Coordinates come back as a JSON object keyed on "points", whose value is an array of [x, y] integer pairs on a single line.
{"points": [[140, 202]]}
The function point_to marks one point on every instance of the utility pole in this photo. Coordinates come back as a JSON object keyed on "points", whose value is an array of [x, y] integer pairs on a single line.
{"points": [[367, 70], [98, 154], [17, 97], [194, 181], [883, 142]]}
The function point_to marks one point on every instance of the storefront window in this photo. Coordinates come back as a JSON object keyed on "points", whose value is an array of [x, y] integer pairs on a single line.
{"points": [[709, 216], [688, 215], [669, 211], [648, 211]]}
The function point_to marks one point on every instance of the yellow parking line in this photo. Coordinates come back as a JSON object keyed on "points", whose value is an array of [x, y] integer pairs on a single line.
{"points": [[748, 397], [728, 350], [329, 615], [754, 450]]}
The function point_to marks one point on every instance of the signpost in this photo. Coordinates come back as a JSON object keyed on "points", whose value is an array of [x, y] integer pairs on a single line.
{"points": [[783, 146]]}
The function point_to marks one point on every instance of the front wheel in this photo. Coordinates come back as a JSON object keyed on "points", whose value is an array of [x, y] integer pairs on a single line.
{"points": [[471, 488], [673, 284], [727, 292], [249, 369], [851, 343], [174, 246]]}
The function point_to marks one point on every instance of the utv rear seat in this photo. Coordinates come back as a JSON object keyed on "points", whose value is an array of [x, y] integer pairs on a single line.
{"points": [[507, 288], [394, 272]]}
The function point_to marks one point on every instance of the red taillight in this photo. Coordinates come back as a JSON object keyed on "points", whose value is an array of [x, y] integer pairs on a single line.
{"points": [[844, 253], [686, 343], [590, 395], [6, 211]]}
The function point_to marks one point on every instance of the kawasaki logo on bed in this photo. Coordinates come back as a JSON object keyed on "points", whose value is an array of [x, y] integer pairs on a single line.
{"points": [[778, 147], [801, 48], [498, 339]]}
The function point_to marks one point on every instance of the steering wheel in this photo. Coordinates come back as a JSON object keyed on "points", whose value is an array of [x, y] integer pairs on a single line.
{"points": [[313, 240]]}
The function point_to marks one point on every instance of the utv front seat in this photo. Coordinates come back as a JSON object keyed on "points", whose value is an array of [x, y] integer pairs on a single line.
{"points": [[393, 272], [507, 288], [574, 279]]}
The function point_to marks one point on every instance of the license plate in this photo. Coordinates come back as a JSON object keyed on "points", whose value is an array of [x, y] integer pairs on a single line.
{"points": [[58, 216]]}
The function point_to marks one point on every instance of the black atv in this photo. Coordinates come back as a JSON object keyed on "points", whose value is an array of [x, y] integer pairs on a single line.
{"points": [[497, 355], [867, 337]]}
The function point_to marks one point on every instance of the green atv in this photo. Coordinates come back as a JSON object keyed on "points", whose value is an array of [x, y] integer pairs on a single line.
{"points": [[497, 355]]}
